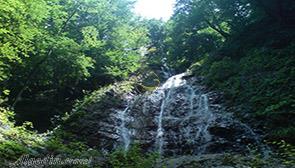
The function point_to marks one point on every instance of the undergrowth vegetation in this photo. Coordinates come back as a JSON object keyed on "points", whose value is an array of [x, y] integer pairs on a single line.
{"points": [[133, 158], [261, 84], [18, 141]]}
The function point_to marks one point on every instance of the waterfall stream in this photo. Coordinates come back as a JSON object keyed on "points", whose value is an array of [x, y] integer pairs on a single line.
{"points": [[178, 118], [123, 130], [202, 135], [167, 89]]}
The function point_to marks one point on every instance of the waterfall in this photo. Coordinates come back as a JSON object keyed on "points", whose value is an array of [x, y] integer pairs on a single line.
{"points": [[165, 69], [160, 131], [198, 133], [122, 129], [202, 112], [208, 117], [191, 97], [168, 87], [177, 118]]}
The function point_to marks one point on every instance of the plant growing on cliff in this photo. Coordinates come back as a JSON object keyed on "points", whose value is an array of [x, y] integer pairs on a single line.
{"points": [[133, 158]]}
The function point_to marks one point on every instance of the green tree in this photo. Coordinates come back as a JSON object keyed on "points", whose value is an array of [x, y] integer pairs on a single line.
{"points": [[53, 50]]}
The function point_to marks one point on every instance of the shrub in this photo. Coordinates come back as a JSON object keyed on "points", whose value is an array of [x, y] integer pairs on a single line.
{"points": [[133, 158]]}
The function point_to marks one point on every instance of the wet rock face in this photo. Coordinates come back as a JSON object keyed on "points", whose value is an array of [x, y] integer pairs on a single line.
{"points": [[178, 118], [181, 117]]}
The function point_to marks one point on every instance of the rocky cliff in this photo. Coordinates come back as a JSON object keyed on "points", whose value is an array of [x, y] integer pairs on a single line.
{"points": [[180, 117]]}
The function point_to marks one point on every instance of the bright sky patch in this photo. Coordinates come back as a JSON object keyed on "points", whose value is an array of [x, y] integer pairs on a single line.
{"points": [[155, 9]]}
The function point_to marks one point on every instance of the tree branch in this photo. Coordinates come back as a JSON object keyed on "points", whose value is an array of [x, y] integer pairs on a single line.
{"points": [[221, 32]]}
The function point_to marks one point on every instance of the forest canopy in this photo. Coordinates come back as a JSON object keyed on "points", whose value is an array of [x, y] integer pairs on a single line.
{"points": [[57, 56], [53, 50]]}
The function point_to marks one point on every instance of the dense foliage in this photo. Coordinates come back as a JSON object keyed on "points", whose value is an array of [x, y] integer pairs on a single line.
{"points": [[261, 85], [244, 48], [53, 52]]}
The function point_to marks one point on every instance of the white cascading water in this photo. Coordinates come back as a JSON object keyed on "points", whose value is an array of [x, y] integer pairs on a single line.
{"points": [[201, 112], [175, 119], [167, 89], [165, 69], [204, 111], [192, 96], [122, 130]]}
